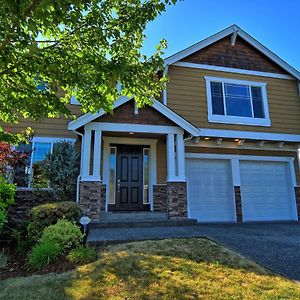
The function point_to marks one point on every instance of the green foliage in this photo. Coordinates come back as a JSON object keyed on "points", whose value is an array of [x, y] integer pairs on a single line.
{"points": [[82, 255], [42, 216], [65, 234], [84, 47], [22, 244], [62, 168], [7, 194], [43, 253]]}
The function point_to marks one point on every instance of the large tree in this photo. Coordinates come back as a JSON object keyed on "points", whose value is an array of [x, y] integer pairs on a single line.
{"points": [[82, 46]]}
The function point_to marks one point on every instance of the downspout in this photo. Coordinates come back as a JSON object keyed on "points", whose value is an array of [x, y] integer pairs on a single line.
{"points": [[81, 162]]}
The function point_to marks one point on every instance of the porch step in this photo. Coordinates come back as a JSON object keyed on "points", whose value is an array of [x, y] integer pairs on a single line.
{"points": [[141, 223], [133, 216]]}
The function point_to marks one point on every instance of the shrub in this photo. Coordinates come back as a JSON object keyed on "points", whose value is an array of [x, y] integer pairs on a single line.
{"points": [[62, 168], [7, 194], [44, 253], [44, 215], [65, 234], [82, 255]]}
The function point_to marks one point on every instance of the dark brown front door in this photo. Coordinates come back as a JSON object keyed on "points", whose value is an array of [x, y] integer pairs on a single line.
{"points": [[129, 189]]}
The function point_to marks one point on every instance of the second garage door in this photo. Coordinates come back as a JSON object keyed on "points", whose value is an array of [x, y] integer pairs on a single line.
{"points": [[210, 190], [267, 191]]}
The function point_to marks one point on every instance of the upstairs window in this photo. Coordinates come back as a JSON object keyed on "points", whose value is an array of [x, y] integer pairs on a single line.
{"points": [[237, 102]]}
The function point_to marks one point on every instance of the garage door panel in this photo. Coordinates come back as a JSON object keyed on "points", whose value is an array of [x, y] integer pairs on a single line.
{"points": [[267, 191], [210, 190]]}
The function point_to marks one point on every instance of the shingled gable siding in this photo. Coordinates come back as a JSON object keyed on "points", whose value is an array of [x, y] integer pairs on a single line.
{"points": [[242, 56], [146, 115], [187, 97]]}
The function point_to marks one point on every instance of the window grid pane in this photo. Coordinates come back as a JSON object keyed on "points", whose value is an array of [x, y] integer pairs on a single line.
{"points": [[258, 108], [217, 98]]}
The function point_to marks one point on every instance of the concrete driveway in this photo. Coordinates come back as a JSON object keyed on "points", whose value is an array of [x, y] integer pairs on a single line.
{"points": [[273, 245]]}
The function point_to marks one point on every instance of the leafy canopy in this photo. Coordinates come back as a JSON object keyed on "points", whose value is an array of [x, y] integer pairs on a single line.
{"points": [[82, 46]]}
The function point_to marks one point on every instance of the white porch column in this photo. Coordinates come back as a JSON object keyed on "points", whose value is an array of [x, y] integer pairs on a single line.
{"points": [[97, 155], [180, 151], [86, 154], [170, 157]]}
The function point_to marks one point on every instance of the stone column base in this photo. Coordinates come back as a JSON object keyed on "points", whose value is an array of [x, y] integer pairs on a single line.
{"points": [[160, 197], [92, 198], [176, 196], [238, 204]]}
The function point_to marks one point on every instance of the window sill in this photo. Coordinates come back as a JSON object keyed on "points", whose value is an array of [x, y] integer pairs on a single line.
{"points": [[239, 121]]}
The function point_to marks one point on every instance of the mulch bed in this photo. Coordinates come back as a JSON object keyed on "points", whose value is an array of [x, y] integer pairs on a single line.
{"points": [[18, 267]]}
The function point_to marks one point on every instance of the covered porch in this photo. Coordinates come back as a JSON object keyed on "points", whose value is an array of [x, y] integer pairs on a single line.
{"points": [[138, 165]]}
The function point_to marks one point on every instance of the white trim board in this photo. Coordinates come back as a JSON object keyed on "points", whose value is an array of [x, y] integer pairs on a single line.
{"points": [[136, 128], [161, 108], [234, 29], [130, 141], [253, 135], [232, 70]]}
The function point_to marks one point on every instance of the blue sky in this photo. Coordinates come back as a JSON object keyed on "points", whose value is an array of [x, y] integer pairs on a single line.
{"points": [[274, 23]]}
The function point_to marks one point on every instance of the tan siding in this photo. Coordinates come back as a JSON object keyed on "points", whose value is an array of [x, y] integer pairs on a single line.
{"points": [[187, 96], [57, 127], [249, 152], [161, 161]]}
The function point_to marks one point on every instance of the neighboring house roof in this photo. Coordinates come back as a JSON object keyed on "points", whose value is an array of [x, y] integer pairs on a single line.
{"points": [[161, 108], [233, 30]]}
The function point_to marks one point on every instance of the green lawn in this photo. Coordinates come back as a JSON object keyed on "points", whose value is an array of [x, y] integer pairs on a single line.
{"points": [[168, 269]]}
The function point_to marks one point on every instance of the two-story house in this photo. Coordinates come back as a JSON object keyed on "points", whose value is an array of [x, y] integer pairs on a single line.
{"points": [[221, 144]]}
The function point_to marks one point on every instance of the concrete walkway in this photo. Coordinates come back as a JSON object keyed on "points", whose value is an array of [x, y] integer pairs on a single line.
{"points": [[274, 245]]}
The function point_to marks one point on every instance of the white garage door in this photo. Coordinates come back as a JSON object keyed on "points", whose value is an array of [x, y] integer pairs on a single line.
{"points": [[210, 190], [267, 191]]}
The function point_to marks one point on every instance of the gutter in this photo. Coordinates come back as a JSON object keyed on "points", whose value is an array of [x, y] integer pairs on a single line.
{"points": [[81, 162]]}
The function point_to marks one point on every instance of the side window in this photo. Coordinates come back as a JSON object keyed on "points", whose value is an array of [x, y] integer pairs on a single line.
{"points": [[40, 150]]}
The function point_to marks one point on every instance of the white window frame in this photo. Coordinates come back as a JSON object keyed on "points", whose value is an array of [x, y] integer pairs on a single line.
{"points": [[50, 140], [235, 119]]}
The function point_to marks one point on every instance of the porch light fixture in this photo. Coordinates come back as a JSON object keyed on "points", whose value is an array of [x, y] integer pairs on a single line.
{"points": [[131, 133], [206, 138], [237, 140]]}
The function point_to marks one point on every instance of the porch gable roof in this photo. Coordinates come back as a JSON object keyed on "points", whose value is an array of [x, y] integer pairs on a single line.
{"points": [[157, 105]]}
